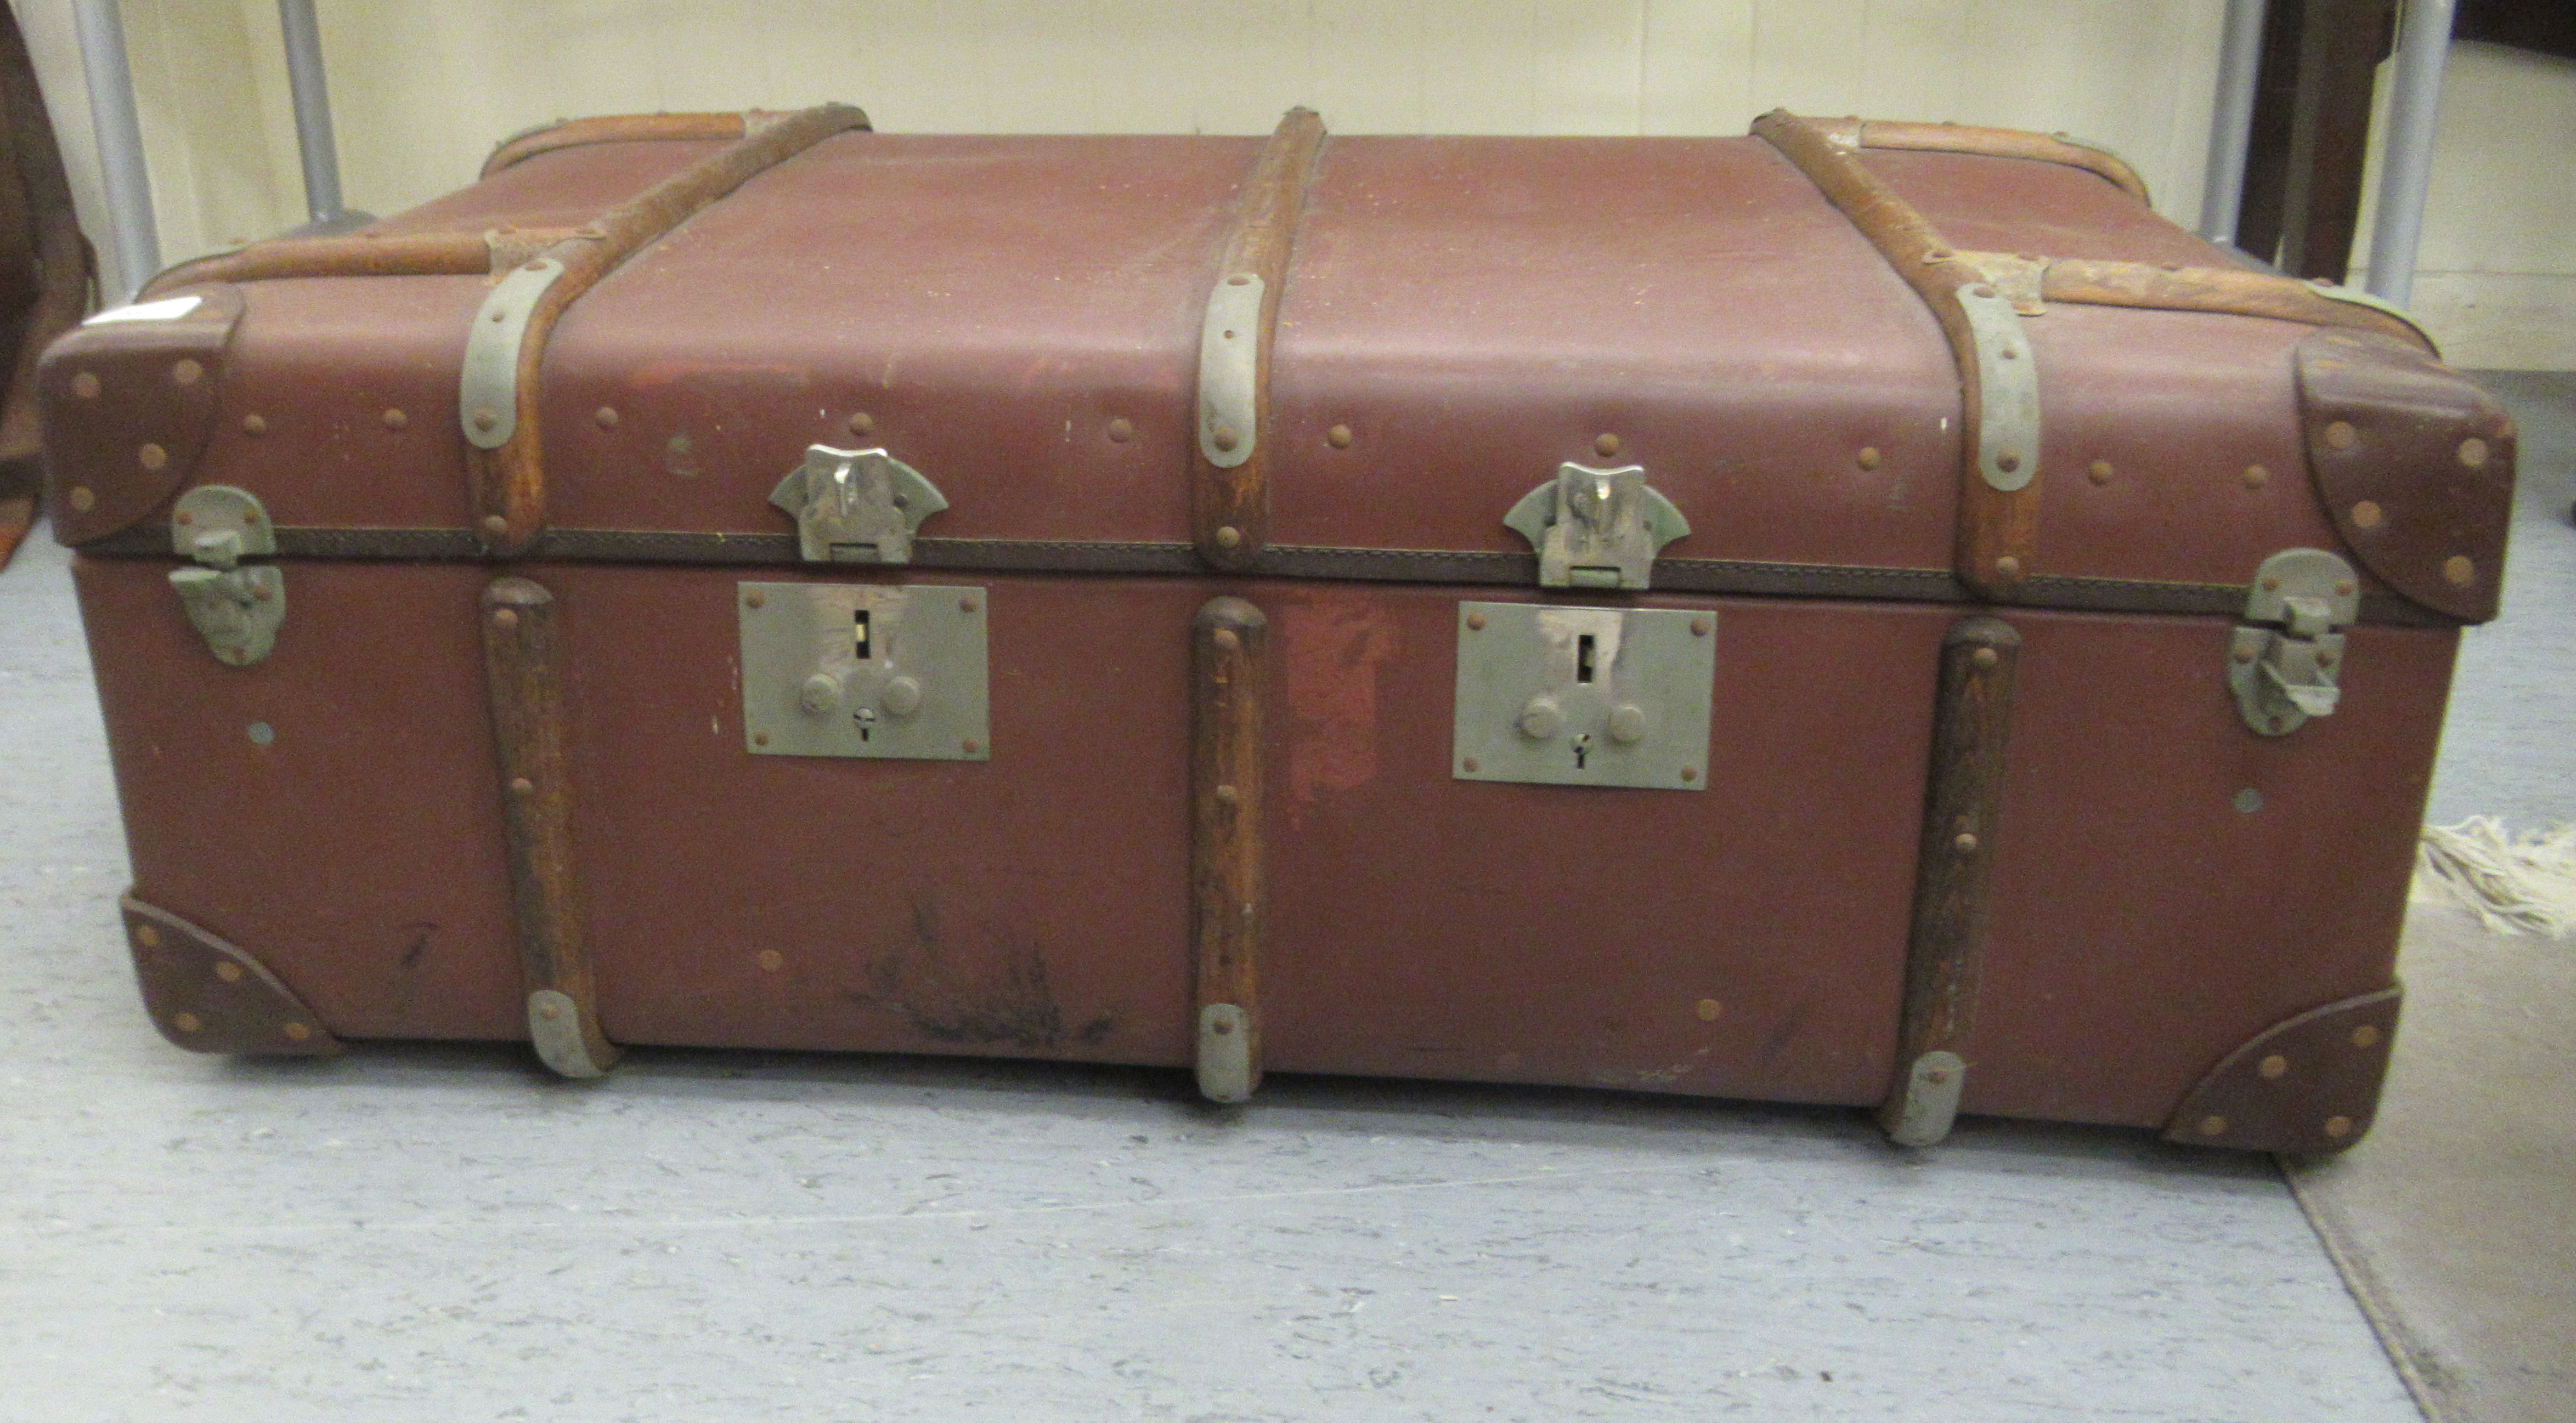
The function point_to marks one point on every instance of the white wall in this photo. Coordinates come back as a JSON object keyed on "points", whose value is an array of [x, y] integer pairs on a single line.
{"points": [[421, 91]]}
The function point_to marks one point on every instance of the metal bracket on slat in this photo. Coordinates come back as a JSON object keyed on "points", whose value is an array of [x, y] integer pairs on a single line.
{"points": [[1230, 370], [1929, 1103], [487, 393], [2007, 388], [238, 610]]}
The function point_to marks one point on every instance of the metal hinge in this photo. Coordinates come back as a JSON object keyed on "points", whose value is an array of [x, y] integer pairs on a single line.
{"points": [[237, 609], [856, 506], [1596, 528], [2283, 665]]}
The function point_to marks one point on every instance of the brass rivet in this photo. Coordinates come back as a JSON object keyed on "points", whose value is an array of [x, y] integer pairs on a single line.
{"points": [[1475, 622], [2341, 435], [147, 936], [1228, 795], [395, 420], [298, 1032], [2459, 571], [1690, 773], [2473, 452], [1469, 764], [1985, 657], [85, 385], [484, 421], [772, 960], [2213, 1126], [967, 605], [1122, 429], [1226, 639], [1709, 1009], [1222, 1027], [1936, 254], [228, 971], [152, 456], [549, 1011], [2325, 659], [2276, 723], [755, 598], [84, 498], [187, 373], [1223, 437], [496, 527], [1939, 1076], [2008, 461], [2273, 1066], [2338, 1127], [2343, 590], [2099, 472], [1229, 536], [760, 739], [606, 415], [593, 231], [970, 746], [521, 785], [2008, 567], [1339, 437], [2010, 353], [1869, 457], [1965, 844], [254, 425], [187, 1022], [1605, 445], [2365, 1036], [1699, 627], [1982, 289], [862, 423], [2271, 585], [505, 617], [2256, 476], [1239, 279], [2366, 515], [2245, 654]]}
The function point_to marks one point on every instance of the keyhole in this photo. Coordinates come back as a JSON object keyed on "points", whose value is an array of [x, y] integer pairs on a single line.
{"points": [[1583, 742], [866, 717], [859, 633], [1584, 653]]}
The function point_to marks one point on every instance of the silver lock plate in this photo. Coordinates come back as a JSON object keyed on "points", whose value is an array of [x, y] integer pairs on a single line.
{"points": [[1566, 696], [865, 670]]}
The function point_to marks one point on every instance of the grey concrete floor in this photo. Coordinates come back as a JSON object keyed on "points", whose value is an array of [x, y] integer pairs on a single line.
{"points": [[438, 1233]]}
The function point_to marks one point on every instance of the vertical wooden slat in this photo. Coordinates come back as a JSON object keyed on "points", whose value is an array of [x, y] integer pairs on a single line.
{"points": [[1231, 507], [1952, 875], [523, 675], [1225, 852]]}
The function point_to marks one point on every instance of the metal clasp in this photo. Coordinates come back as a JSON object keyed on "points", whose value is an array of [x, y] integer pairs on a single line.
{"points": [[856, 506], [1596, 528], [2283, 665], [236, 609]]}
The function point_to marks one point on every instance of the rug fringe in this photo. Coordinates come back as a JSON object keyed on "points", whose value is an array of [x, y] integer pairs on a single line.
{"points": [[2514, 884]]}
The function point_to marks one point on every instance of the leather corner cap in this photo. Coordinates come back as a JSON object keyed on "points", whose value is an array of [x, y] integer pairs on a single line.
{"points": [[129, 403], [2307, 1086], [2414, 463], [207, 996]]}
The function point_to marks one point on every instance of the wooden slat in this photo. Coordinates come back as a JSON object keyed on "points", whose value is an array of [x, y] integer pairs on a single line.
{"points": [[1228, 644]]}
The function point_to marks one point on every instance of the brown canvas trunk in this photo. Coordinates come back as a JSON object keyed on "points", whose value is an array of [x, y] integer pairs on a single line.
{"points": [[1136, 664]]}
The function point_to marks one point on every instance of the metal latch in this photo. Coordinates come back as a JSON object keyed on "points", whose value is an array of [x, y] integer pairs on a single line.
{"points": [[2283, 666], [856, 506], [866, 670], [237, 609], [1584, 696], [1596, 528]]}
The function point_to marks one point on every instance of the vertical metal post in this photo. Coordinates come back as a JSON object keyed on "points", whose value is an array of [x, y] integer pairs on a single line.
{"points": [[134, 243], [313, 140], [2240, 56], [2406, 169]]}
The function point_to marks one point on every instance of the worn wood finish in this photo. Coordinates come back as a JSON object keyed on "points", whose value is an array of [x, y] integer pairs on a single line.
{"points": [[1951, 903], [2223, 290], [1989, 142], [1998, 530], [1227, 686], [415, 254], [1231, 507], [509, 482], [525, 680], [621, 128]]}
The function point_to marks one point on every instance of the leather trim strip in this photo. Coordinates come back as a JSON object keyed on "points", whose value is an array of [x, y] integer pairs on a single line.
{"points": [[1732, 577], [1230, 502]]}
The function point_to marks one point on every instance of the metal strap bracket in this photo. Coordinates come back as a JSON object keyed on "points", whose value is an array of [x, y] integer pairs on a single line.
{"points": [[1596, 528], [1230, 369], [238, 610], [487, 393], [856, 506], [2007, 388], [2283, 663]]}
